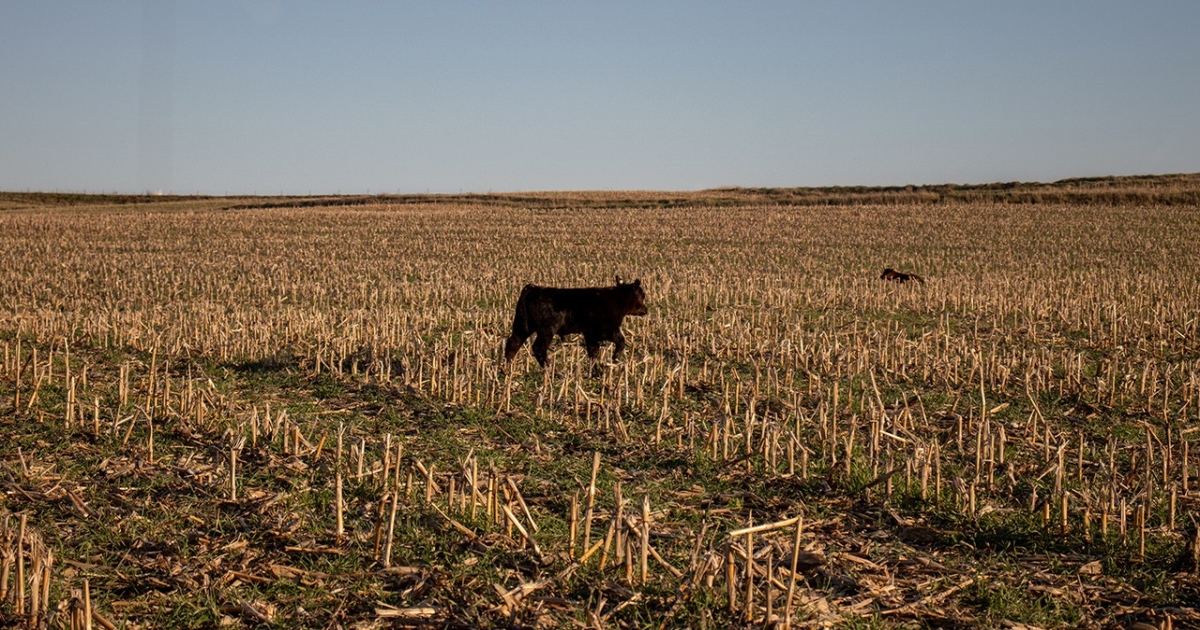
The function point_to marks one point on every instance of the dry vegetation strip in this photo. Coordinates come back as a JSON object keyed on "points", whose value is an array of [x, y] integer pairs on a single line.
{"points": [[296, 416]]}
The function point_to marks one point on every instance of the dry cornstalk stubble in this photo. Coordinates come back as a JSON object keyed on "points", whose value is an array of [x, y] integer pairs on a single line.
{"points": [[300, 411]]}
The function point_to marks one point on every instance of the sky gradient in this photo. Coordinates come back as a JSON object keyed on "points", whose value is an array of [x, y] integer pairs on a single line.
{"points": [[298, 97]]}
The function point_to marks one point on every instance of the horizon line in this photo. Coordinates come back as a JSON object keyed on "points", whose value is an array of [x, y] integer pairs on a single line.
{"points": [[399, 193]]}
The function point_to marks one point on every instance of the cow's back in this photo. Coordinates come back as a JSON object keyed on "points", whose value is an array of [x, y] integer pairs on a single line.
{"points": [[566, 311]]}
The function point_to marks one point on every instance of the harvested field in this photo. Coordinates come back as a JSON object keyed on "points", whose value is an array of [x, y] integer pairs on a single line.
{"points": [[290, 411]]}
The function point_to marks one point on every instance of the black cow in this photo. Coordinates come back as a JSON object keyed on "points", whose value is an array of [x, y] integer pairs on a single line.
{"points": [[594, 312], [900, 276]]}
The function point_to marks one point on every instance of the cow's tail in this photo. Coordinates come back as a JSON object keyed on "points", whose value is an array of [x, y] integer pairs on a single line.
{"points": [[521, 325]]}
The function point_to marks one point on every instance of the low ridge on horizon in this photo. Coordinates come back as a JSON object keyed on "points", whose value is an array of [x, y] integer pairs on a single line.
{"points": [[1097, 180]]}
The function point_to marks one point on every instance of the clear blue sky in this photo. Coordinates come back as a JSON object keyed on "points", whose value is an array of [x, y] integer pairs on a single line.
{"points": [[274, 96]]}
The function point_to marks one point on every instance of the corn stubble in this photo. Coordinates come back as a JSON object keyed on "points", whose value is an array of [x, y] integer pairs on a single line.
{"points": [[297, 415]]}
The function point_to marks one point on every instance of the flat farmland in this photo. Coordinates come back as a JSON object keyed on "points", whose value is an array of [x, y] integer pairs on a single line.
{"points": [[293, 411]]}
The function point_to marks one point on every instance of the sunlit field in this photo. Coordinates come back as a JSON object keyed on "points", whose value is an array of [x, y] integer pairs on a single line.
{"points": [[242, 411]]}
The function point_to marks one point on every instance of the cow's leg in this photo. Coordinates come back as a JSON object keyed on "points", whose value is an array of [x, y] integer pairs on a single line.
{"points": [[618, 345], [592, 344], [515, 341], [541, 347]]}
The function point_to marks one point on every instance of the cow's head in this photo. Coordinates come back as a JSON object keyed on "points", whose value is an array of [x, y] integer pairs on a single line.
{"points": [[635, 297]]}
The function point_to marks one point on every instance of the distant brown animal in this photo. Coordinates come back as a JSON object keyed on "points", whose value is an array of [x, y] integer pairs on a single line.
{"points": [[594, 312], [900, 276]]}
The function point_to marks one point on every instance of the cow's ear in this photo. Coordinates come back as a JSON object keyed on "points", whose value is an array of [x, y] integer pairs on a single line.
{"points": [[618, 280], [637, 283]]}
